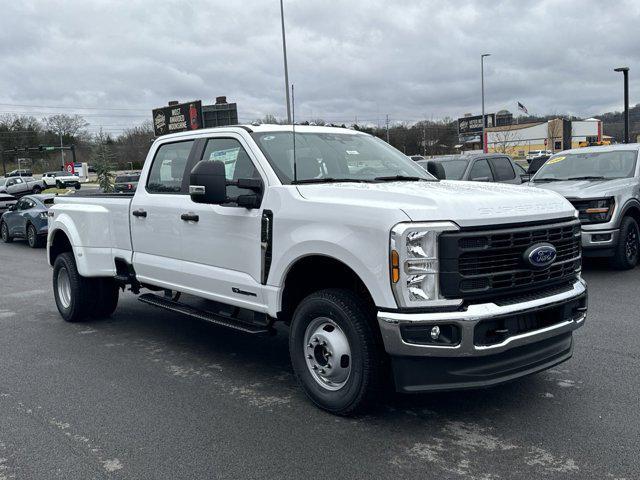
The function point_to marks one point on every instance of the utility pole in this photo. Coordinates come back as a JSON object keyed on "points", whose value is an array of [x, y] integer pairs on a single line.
{"points": [[424, 138], [484, 147], [61, 151], [387, 125], [625, 72], [286, 68]]}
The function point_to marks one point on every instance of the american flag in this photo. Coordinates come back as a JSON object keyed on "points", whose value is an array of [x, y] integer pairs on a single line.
{"points": [[523, 108]]}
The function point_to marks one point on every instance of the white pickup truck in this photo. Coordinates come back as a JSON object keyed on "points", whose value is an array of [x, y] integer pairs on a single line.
{"points": [[379, 270]]}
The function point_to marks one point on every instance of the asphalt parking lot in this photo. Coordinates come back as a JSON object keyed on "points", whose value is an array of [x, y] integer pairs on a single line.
{"points": [[152, 395]]}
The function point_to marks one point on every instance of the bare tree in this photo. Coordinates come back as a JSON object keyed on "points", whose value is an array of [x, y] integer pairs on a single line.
{"points": [[64, 125], [506, 139]]}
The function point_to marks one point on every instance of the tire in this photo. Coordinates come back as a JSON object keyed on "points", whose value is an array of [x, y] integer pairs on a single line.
{"points": [[77, 186], [4, 233], [330, 317], [36, 190], [33, 240], [108, 294], [75, 295], [59, 185], [627, 250]]}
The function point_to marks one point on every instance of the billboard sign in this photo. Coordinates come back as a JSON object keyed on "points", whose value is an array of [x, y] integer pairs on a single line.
{"points": [[69, 167], [177, 118], [473, 125]]}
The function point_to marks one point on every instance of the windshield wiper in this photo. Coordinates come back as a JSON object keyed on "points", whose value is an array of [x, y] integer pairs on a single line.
{"points": [[537, 180], [329, 180], [400, 178], [587, 177]]}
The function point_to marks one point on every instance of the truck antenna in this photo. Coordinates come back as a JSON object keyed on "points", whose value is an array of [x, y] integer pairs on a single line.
{"points": [[293, 128]]}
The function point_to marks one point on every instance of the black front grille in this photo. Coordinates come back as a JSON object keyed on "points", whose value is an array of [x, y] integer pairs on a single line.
{"points": [[483, 264], [496, 330]]}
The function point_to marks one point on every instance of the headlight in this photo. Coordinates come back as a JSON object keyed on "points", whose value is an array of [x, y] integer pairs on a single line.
{"points": [[597, 210], [414, 265], [44, 215]]}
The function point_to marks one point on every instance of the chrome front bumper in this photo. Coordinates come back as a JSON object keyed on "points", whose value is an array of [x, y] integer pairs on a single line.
{"points": [[589, 242], [390, 323]]}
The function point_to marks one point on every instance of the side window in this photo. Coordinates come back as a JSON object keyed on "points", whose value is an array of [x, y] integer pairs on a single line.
{"points": [[11, 182], [168, 167], [237, 163], [481, 171], [503, 169], [23, 204]]}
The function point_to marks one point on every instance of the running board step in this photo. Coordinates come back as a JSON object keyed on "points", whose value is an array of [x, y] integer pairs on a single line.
{"points": [[222, 320]]}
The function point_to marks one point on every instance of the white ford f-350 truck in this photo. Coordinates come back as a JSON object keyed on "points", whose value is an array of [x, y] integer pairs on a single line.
{"points": [[379, 270]]}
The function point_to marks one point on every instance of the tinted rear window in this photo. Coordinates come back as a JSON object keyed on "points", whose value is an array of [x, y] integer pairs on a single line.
{"points": [[127, 178]]}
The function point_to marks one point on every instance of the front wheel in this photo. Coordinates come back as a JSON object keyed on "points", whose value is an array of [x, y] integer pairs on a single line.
{"points": [[75, 295], [627, 250], [4, 233], [36, 190], [334, 352]]}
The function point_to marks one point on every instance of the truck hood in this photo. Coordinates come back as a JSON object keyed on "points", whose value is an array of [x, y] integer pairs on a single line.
{"points": [[466, 203], [586, 188]]}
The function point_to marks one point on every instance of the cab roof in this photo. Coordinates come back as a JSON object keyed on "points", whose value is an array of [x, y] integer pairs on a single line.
{"points": [[263, 128]]}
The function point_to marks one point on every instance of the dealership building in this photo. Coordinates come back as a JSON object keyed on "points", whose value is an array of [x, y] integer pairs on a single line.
{"points": [[518, 139]]}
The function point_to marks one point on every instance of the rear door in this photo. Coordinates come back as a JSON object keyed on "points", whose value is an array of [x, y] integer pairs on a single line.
{"points": [[16, 222], [156, 227], [503, 170]]}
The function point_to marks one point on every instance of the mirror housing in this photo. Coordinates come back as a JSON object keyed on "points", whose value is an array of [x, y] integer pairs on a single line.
{"points": [[208, 183], [12, 207], [436, 169]]}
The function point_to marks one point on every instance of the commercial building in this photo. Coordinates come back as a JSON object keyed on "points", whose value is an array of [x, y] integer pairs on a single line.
{"points": [[555, 135]]}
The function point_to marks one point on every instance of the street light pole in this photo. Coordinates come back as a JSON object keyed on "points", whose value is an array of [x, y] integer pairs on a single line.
{"points": [[484, 147], [625, 72], [286, 68]]}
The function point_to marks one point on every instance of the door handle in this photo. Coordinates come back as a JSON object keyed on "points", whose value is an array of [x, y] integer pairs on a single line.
{"points": [[189, 217], [139, 213]]}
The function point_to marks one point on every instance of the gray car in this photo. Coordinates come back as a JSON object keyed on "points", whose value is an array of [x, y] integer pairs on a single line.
{"points": [[603, 183], [27, 219], [478, 168]]}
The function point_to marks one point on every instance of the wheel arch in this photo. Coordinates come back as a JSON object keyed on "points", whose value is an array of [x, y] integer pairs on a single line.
{"points": [[316, 272], [631, 208], [58, 243]]}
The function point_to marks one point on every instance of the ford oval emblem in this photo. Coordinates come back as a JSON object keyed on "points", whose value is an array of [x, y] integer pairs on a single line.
{"points": [[540, 255]]}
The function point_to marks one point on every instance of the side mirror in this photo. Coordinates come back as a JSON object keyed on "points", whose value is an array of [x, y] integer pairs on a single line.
{"points": [[207, 183], [436, 169], [12, 208]]}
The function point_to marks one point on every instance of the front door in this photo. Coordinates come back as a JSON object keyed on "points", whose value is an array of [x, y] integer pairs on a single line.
{"points": [[222, 249]]}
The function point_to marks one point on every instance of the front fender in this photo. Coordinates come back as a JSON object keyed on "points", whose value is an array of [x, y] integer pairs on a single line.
{"points": [[366, 254]]}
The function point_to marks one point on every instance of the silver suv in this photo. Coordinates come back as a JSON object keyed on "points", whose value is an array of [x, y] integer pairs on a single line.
{"points": [[603, 183]]}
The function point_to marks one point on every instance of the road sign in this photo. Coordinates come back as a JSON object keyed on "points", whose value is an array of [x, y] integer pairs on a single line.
{"points": [[68, 166]]}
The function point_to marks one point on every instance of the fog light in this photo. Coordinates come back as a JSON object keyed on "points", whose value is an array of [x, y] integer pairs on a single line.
{"points": [[435, 332], [442, 335], [601, 237]]}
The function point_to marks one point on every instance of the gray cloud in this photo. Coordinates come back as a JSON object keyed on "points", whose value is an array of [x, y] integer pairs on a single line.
{"points": [[364, 58]]}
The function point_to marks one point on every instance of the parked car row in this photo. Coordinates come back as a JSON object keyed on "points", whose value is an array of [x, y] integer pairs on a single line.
{"points": [[27, 219], [602, 182]]}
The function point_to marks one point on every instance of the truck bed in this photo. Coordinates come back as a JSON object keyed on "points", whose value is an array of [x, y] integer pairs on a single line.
{"points": [[102, 220]]}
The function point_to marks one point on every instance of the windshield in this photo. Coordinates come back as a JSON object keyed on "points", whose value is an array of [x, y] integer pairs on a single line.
{"points": [[595, 165], [336, 157]]}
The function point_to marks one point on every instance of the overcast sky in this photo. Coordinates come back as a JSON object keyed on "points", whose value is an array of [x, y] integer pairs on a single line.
{"points": [[410, 59]]}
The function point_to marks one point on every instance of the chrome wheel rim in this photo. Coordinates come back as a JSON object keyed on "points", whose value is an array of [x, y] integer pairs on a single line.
{"points": [[631, 244], [31, 235], [327, 353], [64, 287]]}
